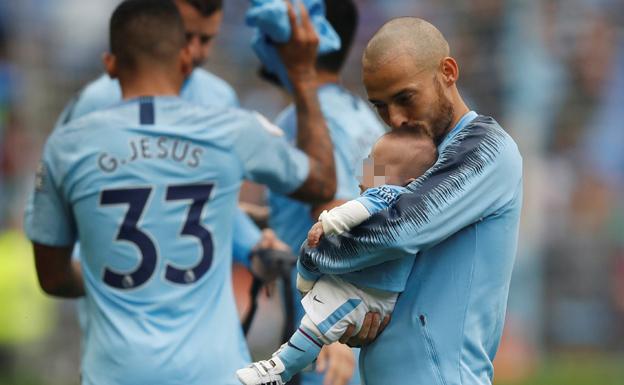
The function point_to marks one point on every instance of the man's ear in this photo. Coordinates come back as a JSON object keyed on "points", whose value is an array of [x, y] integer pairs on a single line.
{"points": [[110, 64], [186, 61], [450, 70]]}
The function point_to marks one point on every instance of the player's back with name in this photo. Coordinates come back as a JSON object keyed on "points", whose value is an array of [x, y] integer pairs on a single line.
{"points": [[154, 159], [177, 133], [151, 184]]}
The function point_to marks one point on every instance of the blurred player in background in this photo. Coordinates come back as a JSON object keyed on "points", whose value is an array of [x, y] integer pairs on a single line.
{"points": [[453, 234], [353, 128], [149, 187], [202, 22]]}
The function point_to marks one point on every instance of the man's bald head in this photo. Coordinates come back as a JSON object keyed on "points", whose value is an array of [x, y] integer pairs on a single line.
{"points": [[412, 36]]}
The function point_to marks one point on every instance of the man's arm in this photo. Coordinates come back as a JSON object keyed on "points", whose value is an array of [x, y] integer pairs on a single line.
{"points": [[50, 225], [246, 236], [299, 57], [58, 274], [476, 176]]}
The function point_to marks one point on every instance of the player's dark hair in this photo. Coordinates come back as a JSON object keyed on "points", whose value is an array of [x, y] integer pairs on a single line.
{"points": [[206, 7], [343, 16], [142, 30]]}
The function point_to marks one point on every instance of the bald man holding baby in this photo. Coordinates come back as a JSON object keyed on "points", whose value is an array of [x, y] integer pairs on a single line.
{"points": [[451, 234]]}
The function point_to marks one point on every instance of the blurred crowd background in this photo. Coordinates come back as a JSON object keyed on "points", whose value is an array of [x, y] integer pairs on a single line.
{"points": [[550, 71]]}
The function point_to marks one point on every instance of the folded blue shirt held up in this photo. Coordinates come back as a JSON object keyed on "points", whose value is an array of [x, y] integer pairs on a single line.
{"points": [[269, 18]]}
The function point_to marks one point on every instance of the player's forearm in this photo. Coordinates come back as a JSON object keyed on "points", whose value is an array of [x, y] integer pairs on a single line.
{"points": [[313, 139], [58, 274]]}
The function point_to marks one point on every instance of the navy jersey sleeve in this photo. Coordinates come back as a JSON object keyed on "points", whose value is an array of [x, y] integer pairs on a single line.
{"points": [[477, 174]]}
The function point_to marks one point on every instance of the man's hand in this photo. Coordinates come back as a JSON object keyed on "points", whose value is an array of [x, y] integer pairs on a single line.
{"points": [[315, 234], [270, 241], [299, 53], [58, 274], [371, 328], [299, 57], [338, 363], [271, 258]]}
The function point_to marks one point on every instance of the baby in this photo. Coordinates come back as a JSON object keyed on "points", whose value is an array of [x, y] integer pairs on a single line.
{"points": [[331, 303]]}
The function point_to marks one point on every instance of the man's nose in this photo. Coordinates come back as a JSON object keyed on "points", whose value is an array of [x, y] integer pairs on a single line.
{"points": [[396, 117], [194, 45]]}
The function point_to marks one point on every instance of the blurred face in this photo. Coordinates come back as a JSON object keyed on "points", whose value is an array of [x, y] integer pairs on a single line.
{"points": [[383, 165], [201, 31], [405, 96]]}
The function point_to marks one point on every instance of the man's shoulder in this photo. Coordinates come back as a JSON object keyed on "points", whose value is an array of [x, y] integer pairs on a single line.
{"points": [[480, 149], [216, 90], [101, 93], [205, 77], [103, 84], [87, 123], [353, 126], [484, 141]]}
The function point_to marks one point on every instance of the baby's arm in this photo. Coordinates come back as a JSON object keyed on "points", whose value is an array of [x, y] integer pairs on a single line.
{"points": [[337, 221], [350, 214], [344, 217]]}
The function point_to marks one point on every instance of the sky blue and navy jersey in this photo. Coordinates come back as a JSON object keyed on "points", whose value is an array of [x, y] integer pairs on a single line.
{"points": [[379, 198], [458, 223], [148, 187]]}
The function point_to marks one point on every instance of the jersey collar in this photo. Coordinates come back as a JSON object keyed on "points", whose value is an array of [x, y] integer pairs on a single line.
{"points": [[463, 122]]}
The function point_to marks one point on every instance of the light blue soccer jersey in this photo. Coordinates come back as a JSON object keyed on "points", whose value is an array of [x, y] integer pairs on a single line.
{"points": [[461, 218], [353, 128], [201, 87], [148, 187]]}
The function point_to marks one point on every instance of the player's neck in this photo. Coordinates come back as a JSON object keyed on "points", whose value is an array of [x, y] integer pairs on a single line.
{"points": [[459, 109], [152, 83]]}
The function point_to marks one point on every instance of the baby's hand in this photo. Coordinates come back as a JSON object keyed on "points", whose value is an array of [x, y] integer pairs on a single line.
{"points": [[315, 234]]}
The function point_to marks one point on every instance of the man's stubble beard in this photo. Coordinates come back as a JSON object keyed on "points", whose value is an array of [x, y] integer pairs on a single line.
{"points": [[443, 116]]}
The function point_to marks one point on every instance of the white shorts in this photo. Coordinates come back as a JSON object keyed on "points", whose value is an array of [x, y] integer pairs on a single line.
{"points": [[333, 304]]}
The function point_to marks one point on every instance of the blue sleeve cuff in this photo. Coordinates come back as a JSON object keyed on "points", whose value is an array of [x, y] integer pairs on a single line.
{"points": [[307, 272]]}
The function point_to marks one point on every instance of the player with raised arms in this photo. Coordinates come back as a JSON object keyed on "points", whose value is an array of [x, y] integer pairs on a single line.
{"points": [[148, 187], [353, 128], [202, 23]]}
